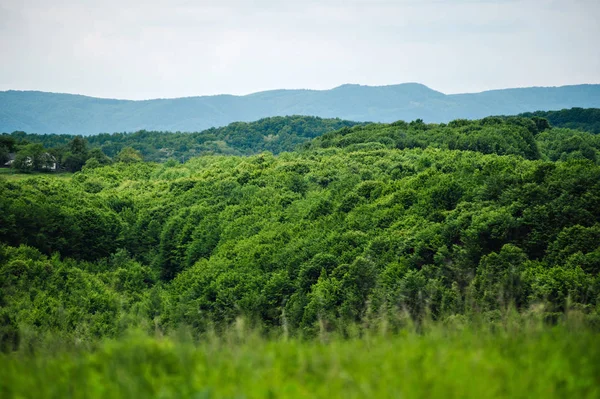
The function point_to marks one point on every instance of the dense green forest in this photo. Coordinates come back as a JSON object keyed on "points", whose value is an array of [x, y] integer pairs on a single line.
{"points": [[275, 135], [370, 229], [444, 219]]}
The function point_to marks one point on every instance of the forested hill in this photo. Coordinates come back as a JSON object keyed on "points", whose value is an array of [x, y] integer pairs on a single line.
{"points": [[40, 112], [444, 221]]}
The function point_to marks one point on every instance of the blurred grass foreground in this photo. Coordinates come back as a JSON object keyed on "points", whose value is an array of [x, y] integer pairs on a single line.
{"points": [[514, 359]]}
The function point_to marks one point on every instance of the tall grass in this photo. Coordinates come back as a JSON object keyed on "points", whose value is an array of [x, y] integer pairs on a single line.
{"points": [[514, 359]]}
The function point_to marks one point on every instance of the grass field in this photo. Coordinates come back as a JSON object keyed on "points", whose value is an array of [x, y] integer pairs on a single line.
{"points": [[510, 363], [11, 174]]}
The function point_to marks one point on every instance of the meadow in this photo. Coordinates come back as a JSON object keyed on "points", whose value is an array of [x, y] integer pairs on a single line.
{"points": [[12, 174]]}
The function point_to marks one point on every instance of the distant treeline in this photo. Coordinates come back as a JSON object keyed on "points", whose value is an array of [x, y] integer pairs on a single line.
{"points": [[586, 119], [530, 137], [276, 134]]}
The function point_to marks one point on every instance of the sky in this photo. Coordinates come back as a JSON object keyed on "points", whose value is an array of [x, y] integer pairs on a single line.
{"points": [[141, 49]]}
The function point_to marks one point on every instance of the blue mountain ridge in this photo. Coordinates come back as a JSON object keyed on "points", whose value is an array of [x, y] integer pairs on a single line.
{"points": [[42, 112]]}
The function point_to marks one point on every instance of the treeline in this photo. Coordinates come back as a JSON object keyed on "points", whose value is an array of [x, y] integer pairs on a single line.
{"points": [[71, 157], [276, 134], [530, 138], [436, 221], [585, 119]]}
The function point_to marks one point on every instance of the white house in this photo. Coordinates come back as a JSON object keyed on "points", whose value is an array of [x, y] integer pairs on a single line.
{"points": [[11, 159]]}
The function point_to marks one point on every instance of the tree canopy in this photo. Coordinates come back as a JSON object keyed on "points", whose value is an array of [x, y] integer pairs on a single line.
{"points": [[439, 220]]}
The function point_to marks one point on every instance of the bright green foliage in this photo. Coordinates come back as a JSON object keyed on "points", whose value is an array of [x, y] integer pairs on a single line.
{"points": [[432, 230], [489, 136], [55, 296], [128, 155], [470, 218], [471, 227]]}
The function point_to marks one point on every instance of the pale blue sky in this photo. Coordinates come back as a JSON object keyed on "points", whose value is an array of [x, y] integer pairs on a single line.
{"points": [[138, 49]]}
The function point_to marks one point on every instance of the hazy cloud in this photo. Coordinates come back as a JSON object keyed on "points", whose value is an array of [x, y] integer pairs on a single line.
{"points": [[144, 49]]}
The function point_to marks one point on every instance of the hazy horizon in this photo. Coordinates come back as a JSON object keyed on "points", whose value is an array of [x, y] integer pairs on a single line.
{"points": [[291, 89], [170, 49]]}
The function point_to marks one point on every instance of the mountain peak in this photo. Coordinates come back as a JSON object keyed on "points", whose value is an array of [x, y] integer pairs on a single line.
{"points": [[397, 85]]}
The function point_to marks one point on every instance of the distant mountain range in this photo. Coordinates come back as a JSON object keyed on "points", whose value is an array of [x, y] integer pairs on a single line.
{"points": [[41, 112]]}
